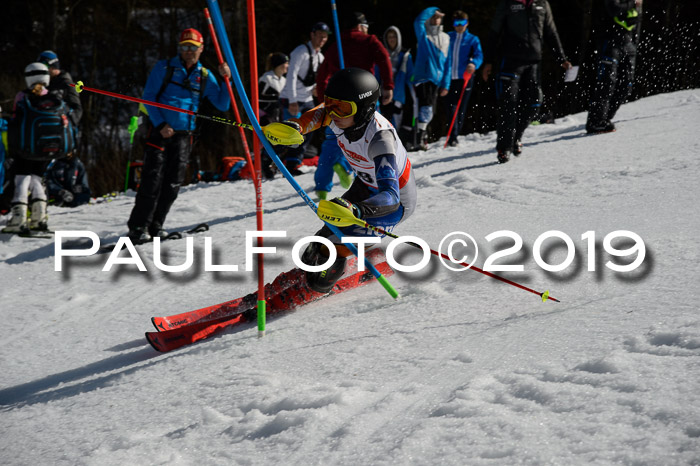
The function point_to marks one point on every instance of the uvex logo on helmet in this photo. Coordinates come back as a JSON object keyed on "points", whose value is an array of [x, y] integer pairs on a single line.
{"points": [[366, 94]]}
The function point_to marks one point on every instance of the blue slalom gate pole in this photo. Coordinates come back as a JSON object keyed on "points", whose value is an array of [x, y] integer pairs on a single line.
{"points": [[337, 33], [226, 46]]}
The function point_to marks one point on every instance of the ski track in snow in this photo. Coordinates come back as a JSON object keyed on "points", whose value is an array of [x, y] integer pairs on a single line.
{"points": [[461, 370]]}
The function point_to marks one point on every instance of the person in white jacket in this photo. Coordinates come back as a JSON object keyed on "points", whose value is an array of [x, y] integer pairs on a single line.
{"points": [[298, 93]]}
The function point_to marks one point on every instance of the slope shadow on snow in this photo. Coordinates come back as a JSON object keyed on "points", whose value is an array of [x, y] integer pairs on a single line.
{"points": [[36, 391], [465, 155], [54, 387]]}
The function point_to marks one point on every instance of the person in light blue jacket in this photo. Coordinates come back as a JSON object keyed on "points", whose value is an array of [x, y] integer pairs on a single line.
{"points": [[180, 82], [467, 57], [431, 71]]}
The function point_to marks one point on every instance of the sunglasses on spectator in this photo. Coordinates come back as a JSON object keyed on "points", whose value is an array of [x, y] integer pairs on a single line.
{"points": [[460, 22], [339, 108], [189, 48]]}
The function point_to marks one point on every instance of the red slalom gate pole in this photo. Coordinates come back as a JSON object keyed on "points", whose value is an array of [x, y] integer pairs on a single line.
{"points": [[234, 106], [252, 45], [467, 77]]}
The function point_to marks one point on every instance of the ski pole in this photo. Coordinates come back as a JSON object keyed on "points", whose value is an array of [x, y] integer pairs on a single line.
{"points": [[467, 76], [227, 80], [277, 133], [340, 216]]}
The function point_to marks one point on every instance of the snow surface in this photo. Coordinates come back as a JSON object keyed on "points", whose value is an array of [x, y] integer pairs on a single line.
{"points": [[462, 369]]}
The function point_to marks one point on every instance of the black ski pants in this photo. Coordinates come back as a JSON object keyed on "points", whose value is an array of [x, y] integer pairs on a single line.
{"points": [[613, 81], [452, 101], [164, 168], [519, 100]]}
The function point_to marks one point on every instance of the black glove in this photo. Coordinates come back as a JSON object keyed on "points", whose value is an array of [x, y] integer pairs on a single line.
{"points": [[348, 205], [293, 124]]}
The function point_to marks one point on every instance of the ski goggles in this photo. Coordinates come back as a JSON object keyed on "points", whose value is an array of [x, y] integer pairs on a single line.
{"points": [[339, 108], [189, 48], [460, 22]]}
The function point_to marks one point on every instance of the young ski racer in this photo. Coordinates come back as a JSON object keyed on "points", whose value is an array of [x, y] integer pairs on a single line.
{"points": [[384, 191]]}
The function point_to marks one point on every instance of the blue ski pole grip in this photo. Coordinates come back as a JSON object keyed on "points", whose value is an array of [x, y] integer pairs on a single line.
{"points": [[213, 6]]}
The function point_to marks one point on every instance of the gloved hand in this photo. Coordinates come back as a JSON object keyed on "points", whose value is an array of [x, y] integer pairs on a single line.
{"points": [[339, 212], [348, 205], [66, 196], [286, 133], [293, 124]]}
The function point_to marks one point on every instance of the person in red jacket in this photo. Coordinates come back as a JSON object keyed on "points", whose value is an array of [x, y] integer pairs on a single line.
{"points": [[360, 50]]}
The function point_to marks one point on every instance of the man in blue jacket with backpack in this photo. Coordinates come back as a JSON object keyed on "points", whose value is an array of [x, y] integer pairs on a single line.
{"points": [[181, 82]]}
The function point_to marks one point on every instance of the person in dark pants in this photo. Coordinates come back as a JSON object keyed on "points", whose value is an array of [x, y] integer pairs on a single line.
{"points": [[466, 57], [616, 34], [181, 82], [520, 27], [431, 71]]}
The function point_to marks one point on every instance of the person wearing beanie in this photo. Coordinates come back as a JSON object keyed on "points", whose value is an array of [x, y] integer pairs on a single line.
{"points": [[360, 50], [182, 82], [298, 93], [60, 84], [29, 173]]}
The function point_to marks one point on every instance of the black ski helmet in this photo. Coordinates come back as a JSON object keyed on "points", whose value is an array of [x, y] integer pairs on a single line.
{"points": [[355, 85]]}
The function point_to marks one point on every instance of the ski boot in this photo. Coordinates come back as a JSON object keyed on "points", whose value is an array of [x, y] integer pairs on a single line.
{"points": [[155, 230], [322, 281], [18, 222], [503, 156], [139, 235], [517, 148], [39, 218]]}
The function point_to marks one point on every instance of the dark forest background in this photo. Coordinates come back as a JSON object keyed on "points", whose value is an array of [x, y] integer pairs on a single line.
{"points": [[112, 45]]}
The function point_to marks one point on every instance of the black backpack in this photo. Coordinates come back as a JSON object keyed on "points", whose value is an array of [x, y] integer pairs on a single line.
{"points": [[41, 129]]}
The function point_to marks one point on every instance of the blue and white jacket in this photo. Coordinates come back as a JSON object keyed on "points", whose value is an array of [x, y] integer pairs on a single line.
{"points": [[465, 48], [182, 91], [433, 60]]}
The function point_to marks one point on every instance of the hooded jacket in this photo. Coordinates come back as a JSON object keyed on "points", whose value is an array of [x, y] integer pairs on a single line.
{"points": [[433, 60], [521, 27], [401, 65], [359, 51]]}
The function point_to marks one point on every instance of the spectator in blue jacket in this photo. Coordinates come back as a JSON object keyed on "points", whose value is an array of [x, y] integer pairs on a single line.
{"points": [[181, 82], [431, 72], [467, 56]]}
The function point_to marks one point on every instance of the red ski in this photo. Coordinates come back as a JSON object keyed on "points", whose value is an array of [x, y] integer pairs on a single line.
{"points": [[286, 292]]}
